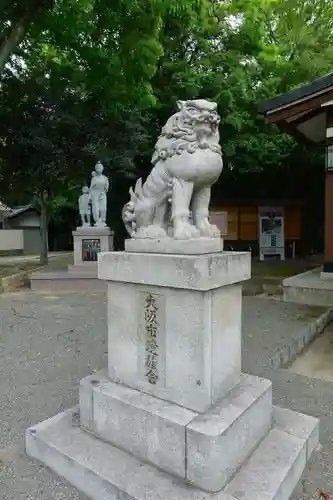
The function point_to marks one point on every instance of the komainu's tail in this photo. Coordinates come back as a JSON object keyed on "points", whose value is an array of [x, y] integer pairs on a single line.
{"points": [[128, 210]]}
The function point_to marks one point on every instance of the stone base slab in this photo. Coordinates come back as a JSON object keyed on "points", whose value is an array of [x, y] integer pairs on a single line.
{"points": [[309, 288], [299, 425], [150, 428], [326, 276], [65, 281], [87, 269], [104, 472], [89, 230], [205, 449], [220, 440], [195, 246]]}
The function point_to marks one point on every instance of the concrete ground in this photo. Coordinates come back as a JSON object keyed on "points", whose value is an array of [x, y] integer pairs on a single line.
{"points": [[48, 343]]}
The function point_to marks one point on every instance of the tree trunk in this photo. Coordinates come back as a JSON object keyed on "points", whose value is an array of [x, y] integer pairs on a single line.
{"points": [[10, 43], [44, 259]]}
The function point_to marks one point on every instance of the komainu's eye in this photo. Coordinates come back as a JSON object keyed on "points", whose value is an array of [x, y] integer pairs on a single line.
{"points": [[192, 110]]}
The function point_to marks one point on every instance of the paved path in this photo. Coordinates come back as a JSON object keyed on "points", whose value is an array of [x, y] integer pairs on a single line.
{"points": [[48, 343]]}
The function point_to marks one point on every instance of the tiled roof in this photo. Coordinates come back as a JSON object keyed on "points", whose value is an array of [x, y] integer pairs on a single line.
{"points": [[302, 92], [4, 208], [17, 210]]}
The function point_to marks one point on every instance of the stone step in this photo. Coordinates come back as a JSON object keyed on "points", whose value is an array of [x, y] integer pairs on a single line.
{"points": [[62, 280], [273, 470], [299, 425], [206, 449], [275, 467], [104, 472]]}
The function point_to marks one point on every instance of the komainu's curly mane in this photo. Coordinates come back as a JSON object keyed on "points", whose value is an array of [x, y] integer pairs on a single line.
{"points": [[178, 135]]}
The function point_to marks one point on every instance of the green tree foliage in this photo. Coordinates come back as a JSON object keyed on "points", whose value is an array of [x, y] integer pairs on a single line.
{"points": [[79, 92], [241, 53], [292, 45], [96, 79], [16, 19], [296, 42]]}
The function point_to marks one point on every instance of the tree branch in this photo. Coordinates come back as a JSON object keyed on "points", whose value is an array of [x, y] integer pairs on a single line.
{"points": [[10, 43]]}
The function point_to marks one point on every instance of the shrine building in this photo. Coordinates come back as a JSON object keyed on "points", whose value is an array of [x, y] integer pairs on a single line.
{"points": [[307, 113]]}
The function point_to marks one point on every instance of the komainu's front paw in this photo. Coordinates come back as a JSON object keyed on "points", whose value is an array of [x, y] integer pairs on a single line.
{"points": [[185, 231], [208, 230], [151, 232]]}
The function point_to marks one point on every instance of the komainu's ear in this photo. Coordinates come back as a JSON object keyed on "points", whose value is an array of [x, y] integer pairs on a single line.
{"points": [[138, 188], [180, 105]]}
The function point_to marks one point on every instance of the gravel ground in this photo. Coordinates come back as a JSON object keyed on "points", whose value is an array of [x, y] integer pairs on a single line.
{"points": [[48, 343]]}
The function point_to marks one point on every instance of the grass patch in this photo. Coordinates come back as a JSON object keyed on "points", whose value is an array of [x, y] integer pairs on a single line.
{"points": [[279, 269], [312, 313], [18, 267]]}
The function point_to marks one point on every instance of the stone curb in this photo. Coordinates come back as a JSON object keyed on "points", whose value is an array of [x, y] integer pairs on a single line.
{"points": [[264, 284], [299, 341]]}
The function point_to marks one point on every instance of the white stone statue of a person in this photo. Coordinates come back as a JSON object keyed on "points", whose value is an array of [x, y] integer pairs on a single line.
{"points": [[98, 189], [84, 206]]}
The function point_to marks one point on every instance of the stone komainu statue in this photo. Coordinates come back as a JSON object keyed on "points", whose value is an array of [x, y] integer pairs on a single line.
{"points": [[187, 160]]}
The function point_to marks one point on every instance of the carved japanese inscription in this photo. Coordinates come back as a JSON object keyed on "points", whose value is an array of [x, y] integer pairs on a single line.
{"points": [[151, 339], [151, 345]]}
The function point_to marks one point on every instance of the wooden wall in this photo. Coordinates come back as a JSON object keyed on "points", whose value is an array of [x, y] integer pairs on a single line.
{"points": [[243, 222], [292, 223], [247, 223]]}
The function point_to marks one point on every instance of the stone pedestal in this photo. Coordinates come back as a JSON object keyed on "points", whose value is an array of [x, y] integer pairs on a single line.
{"points": [[88, 242], [190, 306], [173, 416]]}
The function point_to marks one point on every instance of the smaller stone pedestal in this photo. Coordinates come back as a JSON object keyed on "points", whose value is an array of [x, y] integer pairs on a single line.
{"points": [[88, 242]]}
